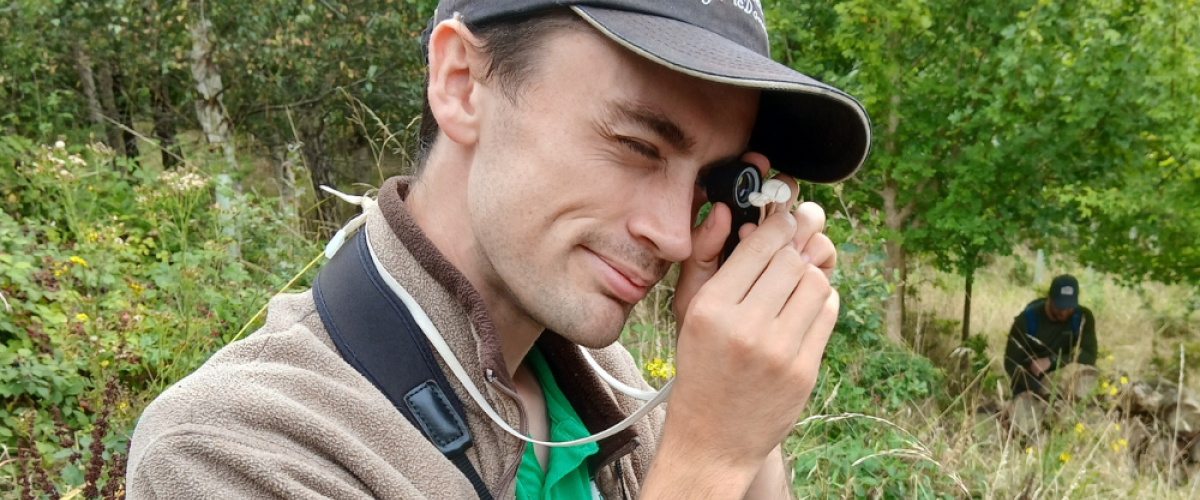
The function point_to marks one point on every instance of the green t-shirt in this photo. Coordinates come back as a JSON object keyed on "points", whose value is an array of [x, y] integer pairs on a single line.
{"points": [[566, 477]]}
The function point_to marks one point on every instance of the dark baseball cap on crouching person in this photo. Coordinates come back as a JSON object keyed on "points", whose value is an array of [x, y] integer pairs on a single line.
{"points": [[1064, 292], [807, 129]]}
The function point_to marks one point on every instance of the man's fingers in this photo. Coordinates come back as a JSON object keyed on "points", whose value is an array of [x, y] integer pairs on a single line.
{"points": [[812, 348], [805, 304], [707, 241], [819, 251], [758, 160], [810, 220], [777, 283], [753, 255], [709, 237]]}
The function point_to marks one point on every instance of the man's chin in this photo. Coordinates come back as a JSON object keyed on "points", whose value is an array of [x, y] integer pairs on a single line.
{"points": [[592, 340], [602, 328]]}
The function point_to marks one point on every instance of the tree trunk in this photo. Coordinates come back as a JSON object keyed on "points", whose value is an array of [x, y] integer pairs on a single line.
{"points": [[87, 82], [164, 125], [210, 109], [895, 267], [109, 103], [966, 323], [285, 175], [125, 116], [320, 169]]}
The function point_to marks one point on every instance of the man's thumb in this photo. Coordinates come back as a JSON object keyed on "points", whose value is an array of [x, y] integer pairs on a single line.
{"points": [[707, 240], [709, 237]]}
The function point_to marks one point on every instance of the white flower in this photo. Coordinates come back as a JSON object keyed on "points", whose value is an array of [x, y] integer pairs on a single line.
{"points": [[773, 191], [59, 145]]}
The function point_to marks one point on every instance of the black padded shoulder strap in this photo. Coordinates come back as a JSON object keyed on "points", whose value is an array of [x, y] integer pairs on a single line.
{"points": [[377, 335]]}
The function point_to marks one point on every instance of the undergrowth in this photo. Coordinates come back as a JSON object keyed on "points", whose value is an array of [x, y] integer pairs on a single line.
{"points": [[114, 286], [116, 280]]}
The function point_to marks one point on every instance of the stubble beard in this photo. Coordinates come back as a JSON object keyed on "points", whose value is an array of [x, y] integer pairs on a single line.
{"points": [[545, 292]]}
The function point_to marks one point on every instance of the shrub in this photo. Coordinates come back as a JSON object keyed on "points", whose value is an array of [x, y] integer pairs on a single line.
{"points": [[115, 286]]}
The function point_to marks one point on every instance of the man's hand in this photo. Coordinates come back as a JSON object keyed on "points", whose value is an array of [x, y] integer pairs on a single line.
{"points": [[1039, 366], [750, 344], [709, 238]]}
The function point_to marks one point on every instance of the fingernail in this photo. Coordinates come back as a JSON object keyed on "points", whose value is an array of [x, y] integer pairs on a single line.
{"points": [[708, 222]]}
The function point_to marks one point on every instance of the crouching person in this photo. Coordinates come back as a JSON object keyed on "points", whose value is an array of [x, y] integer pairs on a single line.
{"points": [[1051, 353]]}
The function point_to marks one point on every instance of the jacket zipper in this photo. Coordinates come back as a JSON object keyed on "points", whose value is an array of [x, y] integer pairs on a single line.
{"points": [[620, 475]]}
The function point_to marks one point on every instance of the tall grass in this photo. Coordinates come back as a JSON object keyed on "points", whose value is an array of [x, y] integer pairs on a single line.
{"points": [[956, 442]]}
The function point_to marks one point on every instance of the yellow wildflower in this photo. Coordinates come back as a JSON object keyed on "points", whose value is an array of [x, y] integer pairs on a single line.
{"points": [[92, 237], [1079, 428], [1116, 427], [1115, 446], [1113, 391], [1124, 380], [660, 369], [137, 289], [1123, 443], [1110, 357], [104, 364], [59, 272], [121, 405], [81, 317], [1064, 457], [78, 260], [1029, 451], [1104, 384]]}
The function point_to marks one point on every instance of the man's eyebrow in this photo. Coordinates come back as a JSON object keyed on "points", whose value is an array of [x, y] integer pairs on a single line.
{"points": [[653, 120]]}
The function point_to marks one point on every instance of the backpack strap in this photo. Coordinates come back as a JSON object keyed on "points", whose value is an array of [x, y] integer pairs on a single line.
{"points": [[1031, 318], [377, 335]]}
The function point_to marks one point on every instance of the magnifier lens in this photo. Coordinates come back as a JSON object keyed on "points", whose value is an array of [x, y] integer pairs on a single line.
{"points": [[745, 185]]}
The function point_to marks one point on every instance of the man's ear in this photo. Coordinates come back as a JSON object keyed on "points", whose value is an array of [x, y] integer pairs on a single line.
{"points": [[453, 86]]}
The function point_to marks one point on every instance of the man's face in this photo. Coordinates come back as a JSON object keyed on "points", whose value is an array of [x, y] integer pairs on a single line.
{"points": [[1057, 315], [584, 191]]}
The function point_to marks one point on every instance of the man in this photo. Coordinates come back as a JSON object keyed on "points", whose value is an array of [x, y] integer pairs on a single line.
{"points": [[564, 153], [1055, 333]]}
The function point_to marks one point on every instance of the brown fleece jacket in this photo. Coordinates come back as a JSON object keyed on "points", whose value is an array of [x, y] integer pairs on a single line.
{"points": [[281, 415]]}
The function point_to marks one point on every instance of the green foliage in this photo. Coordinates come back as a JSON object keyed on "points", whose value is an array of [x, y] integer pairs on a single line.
{"points": [[1066, 124], [836, 452], [122, 282]]}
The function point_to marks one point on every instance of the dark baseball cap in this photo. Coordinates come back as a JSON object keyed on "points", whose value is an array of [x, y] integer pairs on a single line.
{"points": [[807, 129], [1064, 292]]}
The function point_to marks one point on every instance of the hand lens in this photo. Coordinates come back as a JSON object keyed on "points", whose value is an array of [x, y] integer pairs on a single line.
{"points": [[732, 184]]}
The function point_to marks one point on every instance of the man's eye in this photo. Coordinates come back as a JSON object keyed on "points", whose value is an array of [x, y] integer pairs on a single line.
{"points": [[640, 148]]}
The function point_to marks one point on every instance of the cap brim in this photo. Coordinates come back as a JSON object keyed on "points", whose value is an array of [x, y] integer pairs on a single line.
{"points": [[807, 129], [1065, 302]]}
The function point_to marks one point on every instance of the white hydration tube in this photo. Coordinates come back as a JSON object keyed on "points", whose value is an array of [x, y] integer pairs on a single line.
{"points": [[652, 398]]}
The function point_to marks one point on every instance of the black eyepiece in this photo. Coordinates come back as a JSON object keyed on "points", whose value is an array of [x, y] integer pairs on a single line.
{"points": [[732, 185]]}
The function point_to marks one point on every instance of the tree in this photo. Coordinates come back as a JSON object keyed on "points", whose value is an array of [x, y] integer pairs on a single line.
{"points": [[986, 107]]}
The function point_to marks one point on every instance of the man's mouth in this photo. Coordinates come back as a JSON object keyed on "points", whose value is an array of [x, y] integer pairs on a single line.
{"points": [[625, 282]]}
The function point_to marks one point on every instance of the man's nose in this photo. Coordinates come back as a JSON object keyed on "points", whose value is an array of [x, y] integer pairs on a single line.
{"points": [[665, 222]]}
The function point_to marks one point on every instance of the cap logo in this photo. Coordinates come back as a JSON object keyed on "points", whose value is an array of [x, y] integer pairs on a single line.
{"points": [[1066, 290], [752, 8]]}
